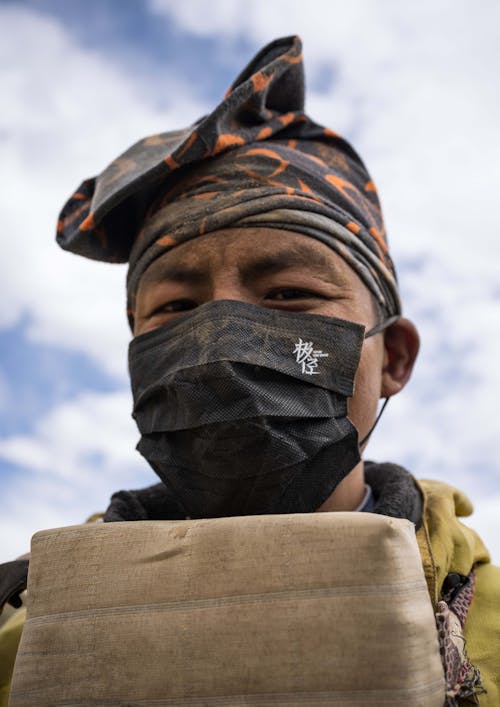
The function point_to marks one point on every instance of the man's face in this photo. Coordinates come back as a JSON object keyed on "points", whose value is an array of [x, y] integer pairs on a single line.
{"points": [[273, 269]]}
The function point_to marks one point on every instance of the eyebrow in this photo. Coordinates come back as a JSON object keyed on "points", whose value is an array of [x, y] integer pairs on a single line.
{"points": [[176, 273], [296, 257]]}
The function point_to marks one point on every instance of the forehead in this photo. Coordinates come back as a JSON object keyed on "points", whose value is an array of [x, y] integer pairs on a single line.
{"points": [[263, 248]]}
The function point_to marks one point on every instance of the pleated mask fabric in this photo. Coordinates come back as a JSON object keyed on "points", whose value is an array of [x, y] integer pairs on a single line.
{"points": [[243, 410], [256, 160]]}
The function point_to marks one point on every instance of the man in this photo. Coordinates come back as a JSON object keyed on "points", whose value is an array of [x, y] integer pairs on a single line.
{"points": [[251, 227]]}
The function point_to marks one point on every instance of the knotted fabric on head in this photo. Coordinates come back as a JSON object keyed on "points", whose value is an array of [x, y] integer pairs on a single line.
{"points": [[256, 160]]}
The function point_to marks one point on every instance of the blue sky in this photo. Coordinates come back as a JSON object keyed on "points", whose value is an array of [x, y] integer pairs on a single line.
{"points": [[415, 89]]}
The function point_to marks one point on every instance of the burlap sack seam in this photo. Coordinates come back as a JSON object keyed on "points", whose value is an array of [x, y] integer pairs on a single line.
{"points": [[382, 697], [218, 602]]}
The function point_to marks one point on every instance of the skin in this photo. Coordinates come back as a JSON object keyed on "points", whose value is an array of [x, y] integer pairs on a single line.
{"points": [[280, 269]]}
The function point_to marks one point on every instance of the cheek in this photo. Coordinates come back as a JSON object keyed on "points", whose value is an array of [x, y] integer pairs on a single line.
{"points": [[362, 407]]}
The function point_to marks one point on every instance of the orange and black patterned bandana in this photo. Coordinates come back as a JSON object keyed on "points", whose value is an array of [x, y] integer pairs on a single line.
{"points": [[256, 160]]}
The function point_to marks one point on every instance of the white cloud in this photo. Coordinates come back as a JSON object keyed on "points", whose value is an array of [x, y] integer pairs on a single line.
{"points": [[79, 454], [70, 111]]}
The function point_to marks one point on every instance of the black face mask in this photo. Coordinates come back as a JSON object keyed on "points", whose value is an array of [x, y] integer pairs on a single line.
{"points": [[243, 410]]}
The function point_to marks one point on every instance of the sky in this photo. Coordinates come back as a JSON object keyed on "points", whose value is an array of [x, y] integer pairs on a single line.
{"points": [[414, 86]]}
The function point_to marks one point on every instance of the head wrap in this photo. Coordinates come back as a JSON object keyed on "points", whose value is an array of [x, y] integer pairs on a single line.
{"points": [[256, 160]]}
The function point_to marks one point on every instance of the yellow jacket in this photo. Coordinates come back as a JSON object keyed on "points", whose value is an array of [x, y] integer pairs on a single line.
{"points": [[10, 633], [446, 545]]}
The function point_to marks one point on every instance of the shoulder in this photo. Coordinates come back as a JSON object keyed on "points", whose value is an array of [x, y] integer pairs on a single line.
{"points": [[446, 544], [482, 630], [449, 546], [11, 628], [13, 578]]}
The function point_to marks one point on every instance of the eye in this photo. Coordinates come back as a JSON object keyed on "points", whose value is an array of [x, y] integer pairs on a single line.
{"points": [[291, 293], [178, 305]]}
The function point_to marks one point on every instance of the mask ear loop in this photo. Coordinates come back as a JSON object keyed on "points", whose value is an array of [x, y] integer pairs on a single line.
{"points": [[366, 437], [384, 324]]}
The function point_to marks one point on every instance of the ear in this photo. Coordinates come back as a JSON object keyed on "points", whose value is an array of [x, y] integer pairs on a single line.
{"points": [[401, 344]]}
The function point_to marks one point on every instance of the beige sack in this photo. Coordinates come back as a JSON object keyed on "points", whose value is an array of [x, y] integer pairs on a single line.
{"points": [[306, 609]]}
